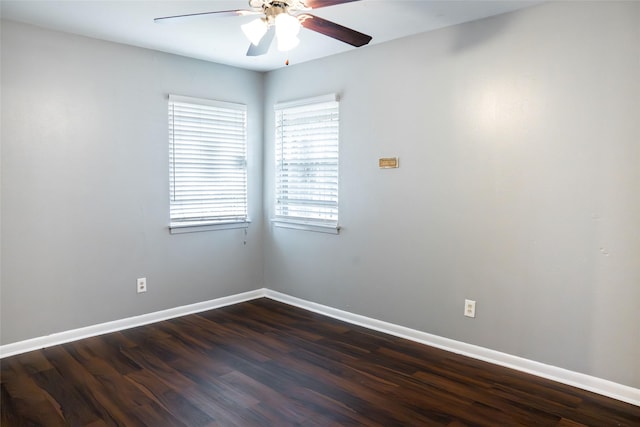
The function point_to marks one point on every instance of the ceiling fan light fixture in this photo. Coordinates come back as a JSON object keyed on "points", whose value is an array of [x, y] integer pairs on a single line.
{"points": [[287, 29], [287, 25], [255, 30]]}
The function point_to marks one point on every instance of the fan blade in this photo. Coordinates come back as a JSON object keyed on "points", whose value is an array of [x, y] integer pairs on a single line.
{"points": [[333, 30], [264, 45], [317, 4], [218, 14]]}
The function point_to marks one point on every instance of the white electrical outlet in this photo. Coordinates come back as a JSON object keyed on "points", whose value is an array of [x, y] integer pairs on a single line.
{"points": [[469, 308], [142, 285]]}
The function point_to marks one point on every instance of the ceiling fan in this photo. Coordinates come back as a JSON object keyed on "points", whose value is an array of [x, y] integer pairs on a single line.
{"points": [[283, 19]]}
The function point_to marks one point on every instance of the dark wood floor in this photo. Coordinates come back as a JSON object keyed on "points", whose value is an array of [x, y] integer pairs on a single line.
{"points": [[269, 364]]}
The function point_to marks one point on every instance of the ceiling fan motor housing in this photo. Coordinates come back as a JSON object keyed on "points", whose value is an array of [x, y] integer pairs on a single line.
{"points": [[273, 8]]}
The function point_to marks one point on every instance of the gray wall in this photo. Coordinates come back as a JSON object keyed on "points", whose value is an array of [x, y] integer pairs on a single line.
{"points": [[85, 184], [519, 185]]}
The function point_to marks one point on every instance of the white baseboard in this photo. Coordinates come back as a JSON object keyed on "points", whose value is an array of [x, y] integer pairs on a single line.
{"points": [[561, 375], [129, 322]]}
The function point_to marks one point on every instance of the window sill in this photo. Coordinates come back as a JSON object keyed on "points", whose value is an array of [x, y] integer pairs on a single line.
{"points": [[307, 226], [179, 228]]}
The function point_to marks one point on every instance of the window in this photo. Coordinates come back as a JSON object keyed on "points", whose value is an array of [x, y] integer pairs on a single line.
{"points": [[207, 164], [307, 164]]}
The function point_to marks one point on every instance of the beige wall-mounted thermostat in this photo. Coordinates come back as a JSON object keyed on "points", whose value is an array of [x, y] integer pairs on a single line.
{"points": [[388, 162]]}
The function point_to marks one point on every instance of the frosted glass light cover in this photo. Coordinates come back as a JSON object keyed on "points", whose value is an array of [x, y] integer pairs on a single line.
{"points": [[255, 30], [287, 25], [287, 29]]}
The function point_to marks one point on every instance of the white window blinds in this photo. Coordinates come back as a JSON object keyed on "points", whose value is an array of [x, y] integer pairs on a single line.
{"points": [[207, 161], [307, 161]]}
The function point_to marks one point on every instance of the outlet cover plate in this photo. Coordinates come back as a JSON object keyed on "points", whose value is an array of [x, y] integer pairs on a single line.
{"points": [[469, 308], [142, 285]]}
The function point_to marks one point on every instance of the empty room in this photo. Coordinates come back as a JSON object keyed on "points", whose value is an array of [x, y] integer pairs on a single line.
{"points": [[320, 212]]}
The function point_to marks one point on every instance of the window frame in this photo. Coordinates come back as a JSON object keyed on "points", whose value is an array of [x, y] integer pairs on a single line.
{"points": [[183, 224], [296, 222]]}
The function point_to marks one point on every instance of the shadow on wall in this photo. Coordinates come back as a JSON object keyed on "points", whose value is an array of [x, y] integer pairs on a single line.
{"points": [[477, 33]]}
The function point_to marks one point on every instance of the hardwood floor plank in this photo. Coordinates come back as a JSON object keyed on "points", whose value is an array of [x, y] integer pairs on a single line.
{"points": [[104, 347], [270, 400], [29, 363], [58, 388], [264, 363], [33, 404], [107, 404]]}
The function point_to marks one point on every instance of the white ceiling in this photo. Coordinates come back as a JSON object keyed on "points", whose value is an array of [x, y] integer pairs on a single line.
{"points": [[220, 39]]}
